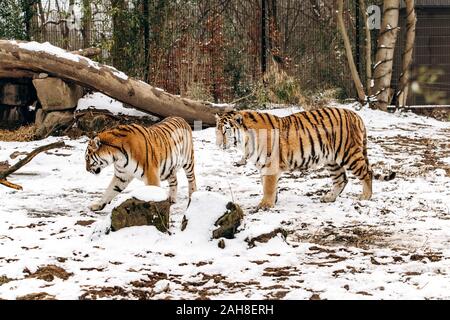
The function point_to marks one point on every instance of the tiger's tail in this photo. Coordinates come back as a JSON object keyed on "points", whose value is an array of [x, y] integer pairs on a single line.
{"points": [[377, 176], [385, 177]]}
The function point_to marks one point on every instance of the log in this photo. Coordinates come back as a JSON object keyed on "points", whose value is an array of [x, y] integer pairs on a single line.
{"points": [[88, 52], [35, 57], [5, 173]]}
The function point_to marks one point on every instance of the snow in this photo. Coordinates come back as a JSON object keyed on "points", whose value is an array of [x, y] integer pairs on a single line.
{"points": [[97, 100], [63, 54], [118, 73], [144, 193], [393, 246], [49, 48]]}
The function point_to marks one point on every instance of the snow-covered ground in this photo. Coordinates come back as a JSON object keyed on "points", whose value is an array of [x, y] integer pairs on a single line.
{"points": [[396, 245], [98, 100]]}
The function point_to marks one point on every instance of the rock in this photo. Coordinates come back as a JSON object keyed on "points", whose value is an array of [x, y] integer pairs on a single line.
{"points": [[54, 121], [221, 244], [135, 212], [228, 222], [55, 94], [40, 116]]}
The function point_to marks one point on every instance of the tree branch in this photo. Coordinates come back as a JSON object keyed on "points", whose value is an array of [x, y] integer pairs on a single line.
{"points": [[21, 163]]}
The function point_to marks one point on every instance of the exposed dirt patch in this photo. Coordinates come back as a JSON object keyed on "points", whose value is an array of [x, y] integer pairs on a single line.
{"points": [[4, 279], [84, 223], [431, 256], [37, 296], [95, 293], [430, 151], [280, 272], [360, 237], [48, 273], [150, 282]]}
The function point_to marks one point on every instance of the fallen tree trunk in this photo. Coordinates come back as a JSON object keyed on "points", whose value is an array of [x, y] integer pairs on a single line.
{"points": [[88, 52], [35, 57], [4, 174]]}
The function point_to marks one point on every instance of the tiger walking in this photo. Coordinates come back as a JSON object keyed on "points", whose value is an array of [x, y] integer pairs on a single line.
{"points": [[151, 154], [331, 137]]}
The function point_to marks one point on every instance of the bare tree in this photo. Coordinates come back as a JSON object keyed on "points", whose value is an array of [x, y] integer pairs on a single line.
{"points": [[263, 37], [86, 22], [385, 54], [407, 55], [348, 50], [368, 47]]}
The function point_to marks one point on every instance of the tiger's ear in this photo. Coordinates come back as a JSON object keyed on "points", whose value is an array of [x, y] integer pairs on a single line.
{"points": [[97, 142], [239, 118]]}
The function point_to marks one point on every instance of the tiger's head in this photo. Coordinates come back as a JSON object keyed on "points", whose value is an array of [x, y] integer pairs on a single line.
{"points": [[229, 129], [97, 156]]}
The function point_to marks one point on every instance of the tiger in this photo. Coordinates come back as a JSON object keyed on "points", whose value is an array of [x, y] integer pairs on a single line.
{"points": [[151, 154], [335, 138]]}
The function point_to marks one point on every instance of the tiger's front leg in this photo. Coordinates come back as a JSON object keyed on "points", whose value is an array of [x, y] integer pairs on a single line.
{"points": [[270, 184], [116, 186], [245, 156]]}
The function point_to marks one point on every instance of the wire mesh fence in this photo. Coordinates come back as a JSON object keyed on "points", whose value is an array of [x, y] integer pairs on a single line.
{"points": [[217, 47]]}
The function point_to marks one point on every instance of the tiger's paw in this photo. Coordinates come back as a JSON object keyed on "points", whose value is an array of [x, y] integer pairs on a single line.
{"points": [[364, 197], [97, 206], [329, 197], [240, 163], [265, 205]]}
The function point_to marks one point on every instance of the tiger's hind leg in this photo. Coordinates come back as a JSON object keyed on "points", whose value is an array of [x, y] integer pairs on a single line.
{"points": [[361, 169], [339, 178], [173, 186], [190, 175]]}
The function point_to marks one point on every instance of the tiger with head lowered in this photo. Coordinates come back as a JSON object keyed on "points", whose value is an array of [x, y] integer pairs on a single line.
{"points": [[151, 154], [331, 137]]}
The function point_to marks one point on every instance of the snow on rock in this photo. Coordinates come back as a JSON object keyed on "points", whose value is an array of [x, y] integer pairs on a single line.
{"points": [[144, 193], [394, 246], [99, 100], [203, 211]]}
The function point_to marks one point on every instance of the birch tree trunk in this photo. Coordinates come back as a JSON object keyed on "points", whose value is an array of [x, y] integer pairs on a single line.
{"points": [[407, 55], [385, 54], [368, 47]]}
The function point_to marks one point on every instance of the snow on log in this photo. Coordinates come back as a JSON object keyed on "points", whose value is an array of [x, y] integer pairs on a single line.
{"points": [[33, 57]]}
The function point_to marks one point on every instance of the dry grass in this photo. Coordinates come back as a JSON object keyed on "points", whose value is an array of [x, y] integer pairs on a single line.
{"points": [[23, 133]]}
